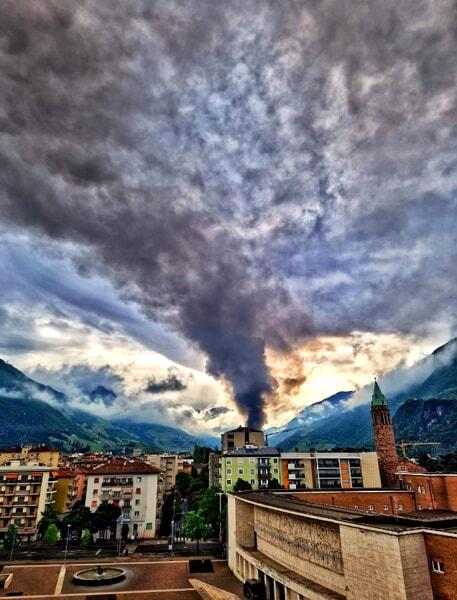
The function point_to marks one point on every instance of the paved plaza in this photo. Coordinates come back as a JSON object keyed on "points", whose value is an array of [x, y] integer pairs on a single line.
{"points": [[166, 579]]}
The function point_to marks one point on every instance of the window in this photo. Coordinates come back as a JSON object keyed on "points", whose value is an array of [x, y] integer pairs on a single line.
{"points": [[356, 506], [126, 514], [137, 513], [252, 461], [96, 480], [400, 507], [437, 565], [240, 471], [229, 482], [95, 492], [419, 507], [386, 507], [421, 489], [252, 481], [94, 503], [229, 471], [138, 491], [275, 460], [275, 470], [370, 507], [138, 479], [229, 461], [137, 502], [252, 471]]}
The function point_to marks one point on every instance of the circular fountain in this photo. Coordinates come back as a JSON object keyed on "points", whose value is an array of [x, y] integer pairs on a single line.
{"points": [[99, 576]]}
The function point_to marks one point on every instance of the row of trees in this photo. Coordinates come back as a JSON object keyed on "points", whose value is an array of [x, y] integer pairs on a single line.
{"points": [[80, 522]]}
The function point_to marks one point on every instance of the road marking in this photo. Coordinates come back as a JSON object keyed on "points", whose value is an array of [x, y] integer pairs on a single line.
{"points": [[60, 579], [117, 592]]}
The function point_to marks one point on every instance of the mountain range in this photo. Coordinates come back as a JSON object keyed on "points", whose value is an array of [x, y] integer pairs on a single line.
{"points": [[422, 399], [27, 418]]}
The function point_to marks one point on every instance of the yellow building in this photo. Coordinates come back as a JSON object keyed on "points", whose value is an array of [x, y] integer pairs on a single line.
{"points": [[41, 453], [25, 492], [69, 488]]}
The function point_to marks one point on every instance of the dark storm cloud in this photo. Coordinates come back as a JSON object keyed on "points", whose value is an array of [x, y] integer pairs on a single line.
{"points": [[171, 383], [251, 173]]}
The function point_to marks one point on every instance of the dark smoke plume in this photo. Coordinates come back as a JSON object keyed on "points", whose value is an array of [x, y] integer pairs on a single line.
{"points": [[248, 172]]}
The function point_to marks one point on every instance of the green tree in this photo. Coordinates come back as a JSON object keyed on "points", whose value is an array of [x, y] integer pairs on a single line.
{"points": [[86, 538], [273, 484], [196, 528], [51, 535], [78, 518], [201, 453], [183, 482], [106, 516], [11, 540], [50, 517], [241, 485], [209, 505]]}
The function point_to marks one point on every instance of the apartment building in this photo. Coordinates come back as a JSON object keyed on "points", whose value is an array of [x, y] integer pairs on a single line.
{"points": [[133, 486], [70, 487], [40, 453], [170, 465], [256, 466], [241, 437], [25, 491], [302, 470], [296, 549]]}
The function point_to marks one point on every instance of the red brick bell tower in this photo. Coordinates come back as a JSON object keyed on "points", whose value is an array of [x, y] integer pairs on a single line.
{"points": [[384, 439]]}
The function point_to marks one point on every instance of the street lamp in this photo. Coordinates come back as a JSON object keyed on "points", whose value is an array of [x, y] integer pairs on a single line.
{"points": [[220, 494], [66, 541]]}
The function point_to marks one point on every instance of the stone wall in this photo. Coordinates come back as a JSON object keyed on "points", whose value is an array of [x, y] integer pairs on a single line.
{"points": [[378, 567], [308, 547]]}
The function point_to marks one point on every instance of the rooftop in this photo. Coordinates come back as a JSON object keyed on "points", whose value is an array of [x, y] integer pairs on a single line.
{"points": [[264, 451], [426, 519], [243, 428], [116, 467]]}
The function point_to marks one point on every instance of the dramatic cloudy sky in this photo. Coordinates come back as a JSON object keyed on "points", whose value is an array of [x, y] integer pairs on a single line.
{"points": [[225, 210]]}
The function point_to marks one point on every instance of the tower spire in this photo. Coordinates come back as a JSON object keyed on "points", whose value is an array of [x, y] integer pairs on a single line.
{"points": [[384, 438]]}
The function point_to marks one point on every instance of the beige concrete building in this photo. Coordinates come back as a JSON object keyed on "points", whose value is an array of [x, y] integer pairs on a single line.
{"points": [[242, 437], [25, 491], [170, 465], [304, 551], [304, 470], [133, 486], [41, 453]]}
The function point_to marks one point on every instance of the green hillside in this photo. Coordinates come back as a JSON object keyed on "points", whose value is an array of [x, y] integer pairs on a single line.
{"points": [[28, 419], [413, 419]]}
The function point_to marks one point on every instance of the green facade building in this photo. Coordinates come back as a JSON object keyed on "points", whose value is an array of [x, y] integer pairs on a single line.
{"points": [[256, 466]]}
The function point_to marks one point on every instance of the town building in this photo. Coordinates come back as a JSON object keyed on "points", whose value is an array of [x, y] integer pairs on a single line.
{"points": [[170, 465], [133, 486], [241, 437], [25, 491], [384, 438], [70, 488], [40, 453], [302, 470], [215, 469], [433, 491], [256, 466], [302, 550]]}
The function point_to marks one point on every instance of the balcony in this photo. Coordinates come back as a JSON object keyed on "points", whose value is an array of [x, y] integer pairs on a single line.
{"points": [[293, 467], [263, 463]]}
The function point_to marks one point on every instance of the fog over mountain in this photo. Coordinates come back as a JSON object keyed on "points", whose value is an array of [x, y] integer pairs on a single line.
{"points": [[239, 177]]}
